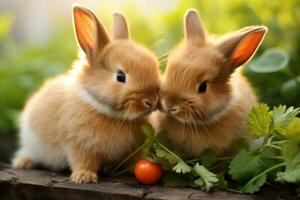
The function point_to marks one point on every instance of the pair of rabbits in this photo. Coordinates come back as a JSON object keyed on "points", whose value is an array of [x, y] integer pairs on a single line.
{"points": [[92, 115]]}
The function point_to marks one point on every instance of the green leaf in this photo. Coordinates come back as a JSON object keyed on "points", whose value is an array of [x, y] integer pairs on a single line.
{"points": [[208, 157], [289, 176], [272, 60], [151, 158], [254, 186], [293, 129], [161, 137], [291, 156], [182, 167], [259, 120], [282, 117], [290, 153], [199, 182], [266, 157], [148, 130], [244, 166], [206, 178], [164, 154]]}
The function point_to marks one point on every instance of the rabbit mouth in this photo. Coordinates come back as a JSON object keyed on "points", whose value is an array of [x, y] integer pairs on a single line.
{"points": [[138, 114], [195, 116]]}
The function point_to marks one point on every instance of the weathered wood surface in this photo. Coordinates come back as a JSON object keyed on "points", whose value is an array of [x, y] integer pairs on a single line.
{"points": [[40, 184]]}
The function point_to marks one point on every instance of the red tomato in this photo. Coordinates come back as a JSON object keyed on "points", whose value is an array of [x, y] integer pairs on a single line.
{"points": [[147, 172]]}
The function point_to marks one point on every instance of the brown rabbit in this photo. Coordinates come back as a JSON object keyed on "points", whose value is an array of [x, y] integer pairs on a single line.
{"points": [[204, 98], [91, 116]]}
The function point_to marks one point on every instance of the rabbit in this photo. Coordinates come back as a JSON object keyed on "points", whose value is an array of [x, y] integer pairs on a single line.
{"points": [[91, 116], [204, 98]]}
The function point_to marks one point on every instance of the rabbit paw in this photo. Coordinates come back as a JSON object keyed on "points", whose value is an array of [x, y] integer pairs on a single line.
{"points": [[23, 162], [84, 176]]}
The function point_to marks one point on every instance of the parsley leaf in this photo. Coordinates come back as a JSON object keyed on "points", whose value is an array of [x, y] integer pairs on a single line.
{"points": [[290, 176], [291, 156], [277, 159], [164, 154], [148, 130], [207, 179], [244, 166], [161, 137], [259, 121], [181, 167], [282, 117], [293, 129], [291, 153], [254, 186]]}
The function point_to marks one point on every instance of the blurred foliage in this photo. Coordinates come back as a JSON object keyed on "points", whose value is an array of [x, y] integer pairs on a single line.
{"points": [[24, 67]]}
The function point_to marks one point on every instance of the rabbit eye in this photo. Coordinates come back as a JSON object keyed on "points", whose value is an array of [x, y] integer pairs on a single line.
{"points": [[202, 87], [121, 77]]}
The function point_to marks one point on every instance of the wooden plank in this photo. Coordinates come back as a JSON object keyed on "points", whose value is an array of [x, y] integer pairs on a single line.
{"points": [[187, 193], [41, 184]]}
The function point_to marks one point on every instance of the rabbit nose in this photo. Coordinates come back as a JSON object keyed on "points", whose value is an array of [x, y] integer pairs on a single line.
{"points": [[147, 103], [174, 110], [165, 108]]}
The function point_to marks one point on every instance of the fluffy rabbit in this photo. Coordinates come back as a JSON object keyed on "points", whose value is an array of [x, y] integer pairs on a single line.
{"points": [[204, 99], [91, 116]]}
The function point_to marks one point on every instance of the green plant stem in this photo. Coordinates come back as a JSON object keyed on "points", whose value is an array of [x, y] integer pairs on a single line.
{"points": [[269, 140], [128, 157], [266, 171], [234, 190], [272, 146], [123, 171], [216, 166], [218, 159], [277, 157], [279, 142], [169, 151], [193, 160], [225, 158], [271, 184]]}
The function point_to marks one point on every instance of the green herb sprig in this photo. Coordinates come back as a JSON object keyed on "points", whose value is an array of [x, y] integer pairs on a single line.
{"points": [[275, 161], [176, 168]]}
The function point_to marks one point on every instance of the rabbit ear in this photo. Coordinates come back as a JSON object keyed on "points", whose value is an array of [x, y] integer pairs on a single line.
{"points": [[193, 25], [90, 33], [120, 27], [240, 46]]}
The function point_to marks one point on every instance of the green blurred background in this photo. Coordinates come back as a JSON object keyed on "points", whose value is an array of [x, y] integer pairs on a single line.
{"points": [[37, 42]]}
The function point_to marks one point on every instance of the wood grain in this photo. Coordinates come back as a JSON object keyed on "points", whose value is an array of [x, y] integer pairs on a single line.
{"points": [[41, 184]]}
